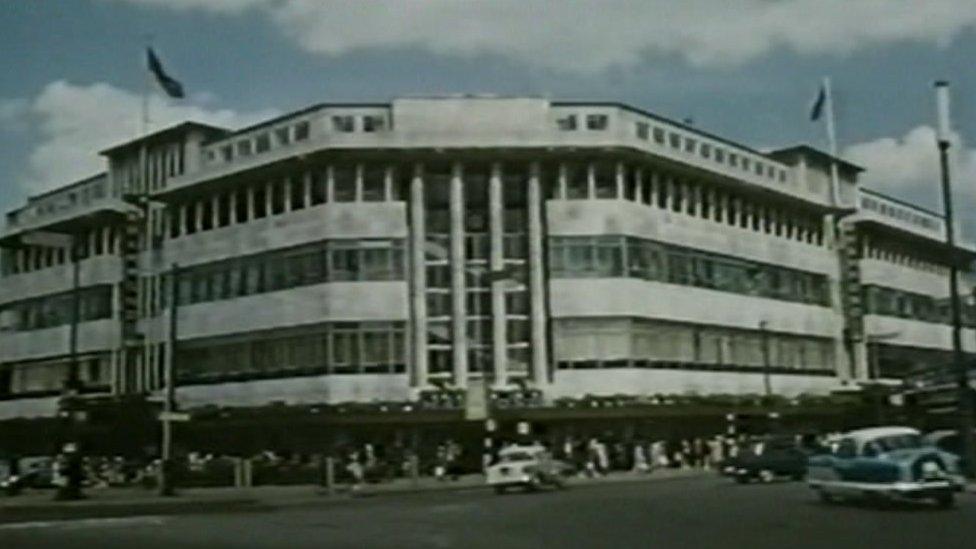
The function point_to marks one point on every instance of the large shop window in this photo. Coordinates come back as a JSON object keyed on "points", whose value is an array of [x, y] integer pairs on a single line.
{"points": [[336, 348], [94, 303], [604, 256], [329, 261]]}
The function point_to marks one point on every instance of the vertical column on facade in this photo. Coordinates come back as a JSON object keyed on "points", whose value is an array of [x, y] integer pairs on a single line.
{"points": [[307, 188], [232, 214], [359, 182], [653, 187], [458, 320], [497, 259], [114, 372], [181, 215], [735, 212], [590, 180], [540, 361], [620, 175], [250, 202], [418, 277], [215, 211], [641, 190], [286, 189], [330, 183], [268, 198], [198, 214], [388, 184], [561, 182], [672, 187]]}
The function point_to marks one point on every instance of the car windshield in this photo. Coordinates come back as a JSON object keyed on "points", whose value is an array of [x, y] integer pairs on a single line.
{"points": [[898, 442], [518, 456]]}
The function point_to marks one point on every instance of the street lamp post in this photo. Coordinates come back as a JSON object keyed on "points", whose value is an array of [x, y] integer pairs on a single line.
{"points": [[767, 382], [964, 406], [166, 484]]}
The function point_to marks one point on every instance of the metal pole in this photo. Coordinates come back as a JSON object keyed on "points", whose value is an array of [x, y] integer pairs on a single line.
{"points": [[767, 383], [964, 406], [72, 381], [169, 402]]}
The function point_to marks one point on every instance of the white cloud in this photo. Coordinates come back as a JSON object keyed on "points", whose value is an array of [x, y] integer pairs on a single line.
{"points": [[75, 122], [591, 35], [908, 167]]}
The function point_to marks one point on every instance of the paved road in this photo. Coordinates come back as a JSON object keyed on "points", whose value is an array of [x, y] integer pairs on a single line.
{"points": [[685, 513]]}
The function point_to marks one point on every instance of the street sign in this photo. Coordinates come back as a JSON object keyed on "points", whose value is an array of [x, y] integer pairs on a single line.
{"points": [[476, 401], [174, 416]]}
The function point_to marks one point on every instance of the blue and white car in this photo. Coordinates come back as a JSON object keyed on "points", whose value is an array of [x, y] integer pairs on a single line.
{"points": [[885, 463]]}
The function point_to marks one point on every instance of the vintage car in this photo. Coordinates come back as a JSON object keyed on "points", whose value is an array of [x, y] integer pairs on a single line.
{"points": [[885, 463], [530, 467], [764, 458]]}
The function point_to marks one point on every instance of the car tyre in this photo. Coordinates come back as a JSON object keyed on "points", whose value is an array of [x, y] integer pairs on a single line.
{"points": [[945, 500], [742, 478], [499, 490], [826, 497]]}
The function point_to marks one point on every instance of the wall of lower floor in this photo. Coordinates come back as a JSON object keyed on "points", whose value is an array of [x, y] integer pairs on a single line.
{"points": [[28, 408], [298, 390], [634, 381]]}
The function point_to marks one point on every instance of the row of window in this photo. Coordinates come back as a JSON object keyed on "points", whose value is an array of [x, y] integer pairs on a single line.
{"points": [[79, 194], [336, 348], [281, 136], [91, 243], [626, 342], [709, 151], [285, 135], [94, 303], [926, 221], [336, 183], [626, 256], [327, 261], [679, 142], [599, 180], [50, 377], [899, 303], [900, 254]]}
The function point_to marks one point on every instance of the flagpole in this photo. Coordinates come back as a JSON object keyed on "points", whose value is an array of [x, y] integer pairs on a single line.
{"points": [[831, 141]]}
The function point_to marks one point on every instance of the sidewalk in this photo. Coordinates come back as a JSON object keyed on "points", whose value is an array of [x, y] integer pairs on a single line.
{"points": [[127, 502]]}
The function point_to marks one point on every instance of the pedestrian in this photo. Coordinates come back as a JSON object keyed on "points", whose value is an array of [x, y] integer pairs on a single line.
{"points": [[640, 460], [355, 469]]}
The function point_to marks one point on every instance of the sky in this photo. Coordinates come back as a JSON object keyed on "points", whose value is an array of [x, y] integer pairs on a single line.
{"points": [[748, 70]]}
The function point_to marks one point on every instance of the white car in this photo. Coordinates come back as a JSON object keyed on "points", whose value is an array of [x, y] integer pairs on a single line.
{"points": [[530, 467]]}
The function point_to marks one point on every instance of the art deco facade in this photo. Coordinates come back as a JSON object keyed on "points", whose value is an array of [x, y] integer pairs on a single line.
{"points": [[371, 251]]}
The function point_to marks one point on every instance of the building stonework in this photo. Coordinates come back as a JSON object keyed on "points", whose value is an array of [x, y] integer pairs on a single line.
{"points": [[369, 252]]}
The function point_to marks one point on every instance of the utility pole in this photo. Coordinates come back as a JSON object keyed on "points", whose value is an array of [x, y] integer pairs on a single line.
{"points": [[166, 484], [963, 404], [767, 383]]}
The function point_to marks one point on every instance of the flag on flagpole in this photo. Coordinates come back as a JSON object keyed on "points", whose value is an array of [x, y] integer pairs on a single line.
{"points": [[170, 85], [818, 104]]}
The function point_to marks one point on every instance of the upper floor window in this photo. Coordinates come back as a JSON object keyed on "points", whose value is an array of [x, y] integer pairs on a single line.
{"points": [[745, 163], [344, 124], [690, 145], [244, 148], [373, 123], [706, 150], [301, 131], [263, 143], [659, 135], [719, 155], [283, 136], [675, 140], [643, 130], [597, 121], [227, 153], [733, 159], [567, 123]]}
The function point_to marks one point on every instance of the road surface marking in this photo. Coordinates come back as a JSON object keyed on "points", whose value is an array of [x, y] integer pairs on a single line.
{"points": [[86, 523]]}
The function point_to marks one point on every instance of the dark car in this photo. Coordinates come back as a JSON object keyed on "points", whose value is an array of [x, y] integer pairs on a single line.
{"points": [[768, 457]]}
